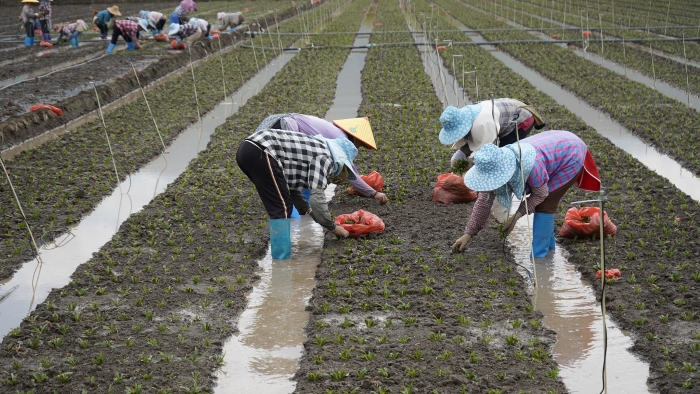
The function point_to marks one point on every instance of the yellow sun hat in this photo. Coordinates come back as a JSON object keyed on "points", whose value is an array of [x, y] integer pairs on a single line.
{"points": [[358, 128]]}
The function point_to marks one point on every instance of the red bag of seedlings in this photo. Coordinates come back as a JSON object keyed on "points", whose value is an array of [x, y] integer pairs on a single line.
{"points": [[612, 273], [360, 223], [214, 31], [46, 44], [56, 111], [373, 179], [450, 189], [160, 37], [585, 222], [215, 36]]}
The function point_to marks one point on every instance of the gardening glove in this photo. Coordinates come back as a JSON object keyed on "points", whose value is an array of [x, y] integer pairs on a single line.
{"points": [[341, 232], [462, 243], [381, 197], [509, 224]]}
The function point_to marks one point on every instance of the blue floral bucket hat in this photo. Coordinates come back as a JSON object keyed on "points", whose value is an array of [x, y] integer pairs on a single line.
{"points": [[343, 152], [456, 122], [492, 168]]}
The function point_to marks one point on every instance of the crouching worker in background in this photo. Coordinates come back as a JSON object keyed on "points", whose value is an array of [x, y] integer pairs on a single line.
{"points": [[312, 125], [231, 19], [71, 30], [104, 20], [155, 19], [129, 31], [203, 25], [187, 33], [551, 162], [281, 163]]}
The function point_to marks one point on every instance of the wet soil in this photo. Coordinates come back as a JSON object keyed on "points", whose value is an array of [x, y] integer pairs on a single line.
{"points": [[371, 302], [65, 84], [22, 126], [36, 63]]}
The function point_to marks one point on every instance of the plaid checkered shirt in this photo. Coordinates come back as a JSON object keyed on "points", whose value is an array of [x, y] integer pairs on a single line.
{"points": [[560, 156], [186, 30], [180, 10], [127, 27], [508, 111], [307, 163]]}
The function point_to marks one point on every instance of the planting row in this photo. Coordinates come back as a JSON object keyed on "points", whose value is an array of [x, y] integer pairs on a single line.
{"points": [[631, 56], [151, 310], [401, 313], [654, 247], [663, 122], [62, 180]]}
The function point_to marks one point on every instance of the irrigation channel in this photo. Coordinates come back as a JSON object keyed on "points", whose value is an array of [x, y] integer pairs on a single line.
{"points": [[262, 357], [662, 87], [33, 282], [566, 300]]}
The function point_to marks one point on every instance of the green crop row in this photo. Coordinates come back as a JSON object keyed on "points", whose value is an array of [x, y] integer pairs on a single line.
{"points": [[635, 58], [151, 311], [62, 180], [663, 122], [400, 313], [654, 247]]}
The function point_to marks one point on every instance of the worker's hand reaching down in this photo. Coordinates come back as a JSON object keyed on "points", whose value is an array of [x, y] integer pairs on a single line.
{"points": [[461, 243], [341, 232], [381, 197], [509, 224]]}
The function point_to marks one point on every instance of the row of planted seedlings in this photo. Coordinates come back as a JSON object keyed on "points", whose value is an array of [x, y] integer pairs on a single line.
{"points": [[150, 311], [665, 123], [641, 14], [655, 246], [630, 56], [594, 21], [60, 181], [400, 312]]}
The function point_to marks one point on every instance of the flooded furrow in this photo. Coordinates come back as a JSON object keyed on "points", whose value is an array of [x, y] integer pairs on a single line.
{"points": [[261, 357], [34, 281], [664, 88], [570, 309]]}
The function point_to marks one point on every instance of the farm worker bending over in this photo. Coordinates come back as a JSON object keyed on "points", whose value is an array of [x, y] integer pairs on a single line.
{"points": [[155, 19], [281, 163], [231, 19], [45, 19], [551, 162], [179, 16], [188, 33], [28, 17], [129, 30], [203, 25], [104, 20], [72, 30], [312, 126], [469, 128]]}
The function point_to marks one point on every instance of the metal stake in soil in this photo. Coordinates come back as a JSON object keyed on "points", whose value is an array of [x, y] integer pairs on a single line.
{"points": [[196, 99], [109, 144], [223, 75]]}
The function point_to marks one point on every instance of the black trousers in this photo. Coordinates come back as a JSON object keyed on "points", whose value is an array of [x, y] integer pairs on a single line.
{"points": [[29, 28], [160, 24], [268, 178], [102, 27], [116, 32], [44, 26], [510, 138]]}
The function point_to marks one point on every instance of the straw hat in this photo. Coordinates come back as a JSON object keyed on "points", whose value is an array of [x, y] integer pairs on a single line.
{"points": [[492, 168], [358, 128], [30, 1], [457, 122], [114, 10]]}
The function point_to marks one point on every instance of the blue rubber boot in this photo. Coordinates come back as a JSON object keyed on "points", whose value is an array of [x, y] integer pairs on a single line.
{"points": [[110, 48], [280, 239], [295, 213], [74, 41], [130, 45], [27, 41], [542, 234], [31, 41], [209, 38]]}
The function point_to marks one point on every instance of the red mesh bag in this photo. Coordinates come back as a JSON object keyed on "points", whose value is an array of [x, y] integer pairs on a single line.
{"points": [[46, 44], [585, 222], [56, 111], [160, 37], [373, 179], [360, 223], [450, 189]]}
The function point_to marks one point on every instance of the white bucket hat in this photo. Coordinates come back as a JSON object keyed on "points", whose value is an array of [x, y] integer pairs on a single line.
{"points": [[173, 29]]}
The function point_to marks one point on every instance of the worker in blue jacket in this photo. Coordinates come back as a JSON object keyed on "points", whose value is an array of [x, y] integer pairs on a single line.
{"points": [[104, 20]]}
